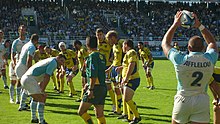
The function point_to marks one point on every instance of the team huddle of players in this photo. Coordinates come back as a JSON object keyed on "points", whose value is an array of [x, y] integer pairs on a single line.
{"points": [[23, 52]]}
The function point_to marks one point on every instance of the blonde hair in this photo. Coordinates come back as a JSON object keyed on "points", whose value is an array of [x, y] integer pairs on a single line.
{"points": [[111, 33]]}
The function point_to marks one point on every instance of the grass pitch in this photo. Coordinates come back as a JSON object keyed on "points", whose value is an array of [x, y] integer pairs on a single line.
{"points": [[155, 106]]}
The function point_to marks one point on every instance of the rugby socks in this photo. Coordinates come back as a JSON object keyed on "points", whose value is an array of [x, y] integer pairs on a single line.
{"points": [[101, 120], [118, 103], [71, 88], [82, 92], [54, 80], [150, 81], [130, 114], [40, 109], [124, 107], [112, 95], [18, 93], [33, 107], [87, 118], [4, 78], [133, 108], [24, 96], [58, 84], [61, 84], [11, 92]]}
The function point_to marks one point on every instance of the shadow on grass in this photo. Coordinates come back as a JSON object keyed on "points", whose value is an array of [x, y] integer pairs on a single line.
{"points": [[68, 106], [63, 112], [155, 118], [146, 107], [166, 89]]}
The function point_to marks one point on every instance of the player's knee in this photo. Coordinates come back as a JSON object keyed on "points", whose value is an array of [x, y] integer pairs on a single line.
{"points": [[80, 112], [99, 114], [216, 108]]}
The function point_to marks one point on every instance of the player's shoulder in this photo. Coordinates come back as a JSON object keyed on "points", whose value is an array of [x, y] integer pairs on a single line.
{"points": [[131, 52], [15, 41]]}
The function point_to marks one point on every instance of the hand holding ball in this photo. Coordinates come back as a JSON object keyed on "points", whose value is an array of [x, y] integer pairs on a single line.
{"points": [[187, 19]]}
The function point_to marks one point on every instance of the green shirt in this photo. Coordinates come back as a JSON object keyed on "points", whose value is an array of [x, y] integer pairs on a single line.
{"points": [[95, 67]]}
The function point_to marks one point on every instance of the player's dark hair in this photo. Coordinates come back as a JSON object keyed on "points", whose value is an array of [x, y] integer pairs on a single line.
{"points": [[91, 42], [62, 56], [19, 28], [141, 43], [34, 37], [46, 47], [129, 43], [99, 30], [77, 42]]}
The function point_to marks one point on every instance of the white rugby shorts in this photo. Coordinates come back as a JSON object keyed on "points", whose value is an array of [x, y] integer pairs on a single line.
{"points": [[30, 84], [191, 108]]}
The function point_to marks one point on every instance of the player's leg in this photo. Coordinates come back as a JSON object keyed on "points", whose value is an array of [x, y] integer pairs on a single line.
{"points": [[58, 80], [39, 106], [100, 114], [70, 76], [112, 95], [149, 76], [82, 111], [61, 77], [4, 78], [53, 77], [23, 105], [11, 90], [124, 108], [83, 79], [110, 90], [129, 89], [118, 96], [13, 79], [216, 114]]}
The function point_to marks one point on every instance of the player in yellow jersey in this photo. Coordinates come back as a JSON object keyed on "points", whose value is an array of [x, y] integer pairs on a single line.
{"points": [[176, 45], [148, 63], [52, 53], [71, 69], [40, 54], [105, 48], [113, 39], [82, 53], [130, 78], [215, 88]]}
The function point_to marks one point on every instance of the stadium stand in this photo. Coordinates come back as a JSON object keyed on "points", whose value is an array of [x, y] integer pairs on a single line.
{"points": [[77, 19]]}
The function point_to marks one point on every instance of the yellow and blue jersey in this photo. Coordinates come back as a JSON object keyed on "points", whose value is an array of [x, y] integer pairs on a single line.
{"points": [[54, 53], [70, 58], [130, 56], [105, 49], [117, 52], [145, 53], [82, 54], [216, 75], [40, 55]]}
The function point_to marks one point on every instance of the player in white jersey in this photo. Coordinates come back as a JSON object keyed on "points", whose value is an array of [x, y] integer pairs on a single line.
{"points": [[25, 62], [35, 81], [3, 60], [15, 51], [193, 72]]}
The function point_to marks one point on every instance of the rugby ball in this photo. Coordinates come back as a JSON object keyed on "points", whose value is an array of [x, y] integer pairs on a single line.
{"points": [[187, 19]]}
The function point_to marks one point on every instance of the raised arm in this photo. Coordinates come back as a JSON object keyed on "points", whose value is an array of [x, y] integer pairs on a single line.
{"points": [[207, 35], [167, 39]]}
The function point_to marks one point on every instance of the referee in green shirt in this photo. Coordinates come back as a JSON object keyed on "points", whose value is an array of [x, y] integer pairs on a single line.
{"points": [[95, 90]]}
